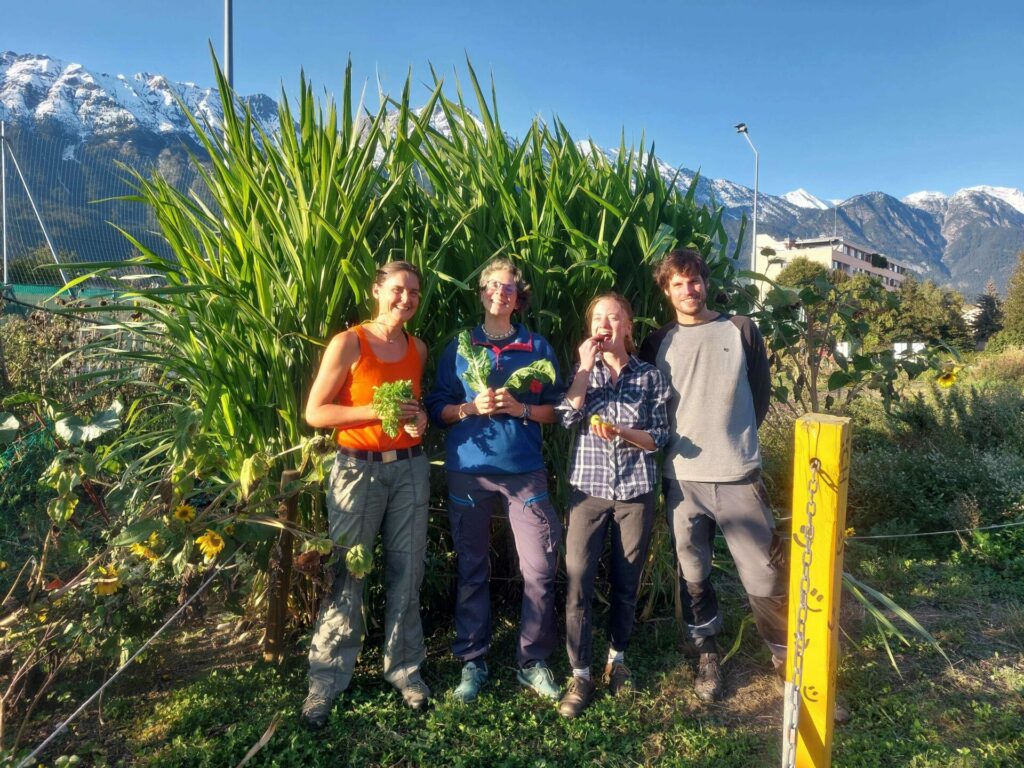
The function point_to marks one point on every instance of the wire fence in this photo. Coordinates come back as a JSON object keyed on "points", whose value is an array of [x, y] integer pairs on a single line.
{"points": [[79, 189]]}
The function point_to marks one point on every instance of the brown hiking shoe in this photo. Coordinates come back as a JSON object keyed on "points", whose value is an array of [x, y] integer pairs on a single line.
{"points": [[708, 684], [577, 697], [618, 678]]}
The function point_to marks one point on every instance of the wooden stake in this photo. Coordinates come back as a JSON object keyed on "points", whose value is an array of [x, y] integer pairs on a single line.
{"points": [[825, 440], [279, 574]]}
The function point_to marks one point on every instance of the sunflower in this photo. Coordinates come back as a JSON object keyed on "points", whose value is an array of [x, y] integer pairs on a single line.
{"points": [[143, 551], [108, 581], [210, 544], [186, 513], [848, 533], [948, 376]]}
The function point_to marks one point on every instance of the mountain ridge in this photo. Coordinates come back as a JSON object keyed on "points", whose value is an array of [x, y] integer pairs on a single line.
{"points": [[963, 239]]}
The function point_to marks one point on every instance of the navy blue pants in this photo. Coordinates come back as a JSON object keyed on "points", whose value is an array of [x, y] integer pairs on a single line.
{"points": [[537, 530]]}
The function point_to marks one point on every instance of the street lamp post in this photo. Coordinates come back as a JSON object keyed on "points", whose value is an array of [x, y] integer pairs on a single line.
{"points": [[228, 67], [742, 128]]}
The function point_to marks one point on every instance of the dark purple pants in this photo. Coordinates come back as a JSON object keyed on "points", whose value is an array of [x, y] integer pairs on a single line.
{"points": [[537, 530]]}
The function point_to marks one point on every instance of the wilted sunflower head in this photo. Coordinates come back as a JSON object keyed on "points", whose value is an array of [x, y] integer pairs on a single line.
{"points": [[141, 550]]}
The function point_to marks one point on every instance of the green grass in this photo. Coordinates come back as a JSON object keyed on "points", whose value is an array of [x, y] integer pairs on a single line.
{"points": [[201, 701]]}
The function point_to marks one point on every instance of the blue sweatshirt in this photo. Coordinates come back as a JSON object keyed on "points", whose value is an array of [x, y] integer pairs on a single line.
{"points": [[498, 445]]}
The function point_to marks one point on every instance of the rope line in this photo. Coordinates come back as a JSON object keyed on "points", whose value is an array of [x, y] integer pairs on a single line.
{"points": [[60, 728], [938, 533]]}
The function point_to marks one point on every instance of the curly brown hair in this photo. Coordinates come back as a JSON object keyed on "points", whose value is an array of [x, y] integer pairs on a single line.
{"points": [[682, 261]]}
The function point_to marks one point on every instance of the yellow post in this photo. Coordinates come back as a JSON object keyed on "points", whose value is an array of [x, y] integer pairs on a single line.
{"points": [[821, 473]]}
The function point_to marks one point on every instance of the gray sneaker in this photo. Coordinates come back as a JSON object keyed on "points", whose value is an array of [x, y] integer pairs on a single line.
{"points": [[539, 679], [316, 707], [474, 675], [416, 695]]}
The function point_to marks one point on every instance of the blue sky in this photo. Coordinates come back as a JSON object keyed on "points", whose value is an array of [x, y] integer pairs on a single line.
{"points": [[840, 98]]}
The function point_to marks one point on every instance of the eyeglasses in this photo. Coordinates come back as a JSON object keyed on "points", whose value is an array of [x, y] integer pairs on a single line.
{"points": [[494, 286]]}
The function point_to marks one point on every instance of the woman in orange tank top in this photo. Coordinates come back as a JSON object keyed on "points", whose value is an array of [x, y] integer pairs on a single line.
{"points": [[379, 484]]}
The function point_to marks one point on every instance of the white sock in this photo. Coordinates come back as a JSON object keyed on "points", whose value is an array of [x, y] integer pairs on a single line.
{"points": [[583, 673], [616, 656]]}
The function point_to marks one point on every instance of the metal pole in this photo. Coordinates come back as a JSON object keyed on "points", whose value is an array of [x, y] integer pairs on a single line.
{"points": [[3, 192], [228, 68], [742, 128], [753, 250]]}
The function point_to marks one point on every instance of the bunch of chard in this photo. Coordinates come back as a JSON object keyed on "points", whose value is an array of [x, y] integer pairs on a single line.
{"points": [[478, 368]]}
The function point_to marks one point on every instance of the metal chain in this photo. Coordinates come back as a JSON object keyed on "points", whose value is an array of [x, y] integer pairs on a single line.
{"points": [[800, 635]]}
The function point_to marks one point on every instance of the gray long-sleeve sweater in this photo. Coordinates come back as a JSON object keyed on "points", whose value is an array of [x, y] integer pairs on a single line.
{"points": [[721, 390]]}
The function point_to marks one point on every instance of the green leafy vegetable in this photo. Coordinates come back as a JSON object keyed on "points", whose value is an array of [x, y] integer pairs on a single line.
{"points": [[478, 363], [359, 561], [387, 398], [541, 370]]}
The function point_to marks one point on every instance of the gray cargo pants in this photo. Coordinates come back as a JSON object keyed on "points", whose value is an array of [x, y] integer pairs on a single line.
{"points": [[740, 509], [364, 497]]}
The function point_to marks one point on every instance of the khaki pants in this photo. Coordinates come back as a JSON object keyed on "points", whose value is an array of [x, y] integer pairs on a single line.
{"points": [[364, 498]]}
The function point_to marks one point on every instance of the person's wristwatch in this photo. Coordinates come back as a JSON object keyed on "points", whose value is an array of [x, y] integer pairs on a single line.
{"points": [[525, 416]]}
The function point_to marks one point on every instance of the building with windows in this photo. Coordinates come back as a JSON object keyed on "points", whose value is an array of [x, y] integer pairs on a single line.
{"points": [[832, 253]]}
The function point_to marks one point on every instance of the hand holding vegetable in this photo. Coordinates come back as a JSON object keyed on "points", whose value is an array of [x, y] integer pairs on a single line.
{"points": [[505, 403], [486, 402], [417, 423], [589, 350], [391, 403], [603, 429]]}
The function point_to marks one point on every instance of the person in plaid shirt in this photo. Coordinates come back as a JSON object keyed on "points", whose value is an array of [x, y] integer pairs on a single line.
{"points": [[620, 403]]}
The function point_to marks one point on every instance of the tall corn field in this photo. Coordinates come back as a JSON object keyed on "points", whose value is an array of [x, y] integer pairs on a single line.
{"points": [[278, 251]]}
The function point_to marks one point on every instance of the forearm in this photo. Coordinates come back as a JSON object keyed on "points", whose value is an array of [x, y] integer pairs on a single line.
{"points": [[456, 412], [543, 414], [334, 416], [637, 437], [577, 391]]}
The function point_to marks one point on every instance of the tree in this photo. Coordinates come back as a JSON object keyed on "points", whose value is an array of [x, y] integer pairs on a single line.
{"points": [[800, 271], [926, 312], [989, 319], [1013, 307]]}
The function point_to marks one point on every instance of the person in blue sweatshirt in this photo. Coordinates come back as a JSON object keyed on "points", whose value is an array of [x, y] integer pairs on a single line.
{"points": [[494, 463]]}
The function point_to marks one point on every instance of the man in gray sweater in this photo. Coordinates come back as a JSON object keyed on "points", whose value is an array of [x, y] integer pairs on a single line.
{"points": [[719, 374]]}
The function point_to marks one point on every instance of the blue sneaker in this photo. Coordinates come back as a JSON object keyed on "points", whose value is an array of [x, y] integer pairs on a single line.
{"points": [[539, 678], [474, 675]]}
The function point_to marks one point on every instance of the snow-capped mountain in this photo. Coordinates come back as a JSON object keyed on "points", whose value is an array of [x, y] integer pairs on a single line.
{"points": [[92, 104], [963, 239], [1010, 196], [801, 198]]}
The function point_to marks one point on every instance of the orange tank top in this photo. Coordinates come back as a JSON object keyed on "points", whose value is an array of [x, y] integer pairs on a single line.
{"points": [[367, 373]]}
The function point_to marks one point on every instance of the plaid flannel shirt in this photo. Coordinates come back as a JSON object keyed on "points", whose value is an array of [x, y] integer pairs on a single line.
{"points": [[614, 469]]}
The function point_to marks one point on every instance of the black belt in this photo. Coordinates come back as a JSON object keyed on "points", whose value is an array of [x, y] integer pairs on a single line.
{"points": [[385, 457]]}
